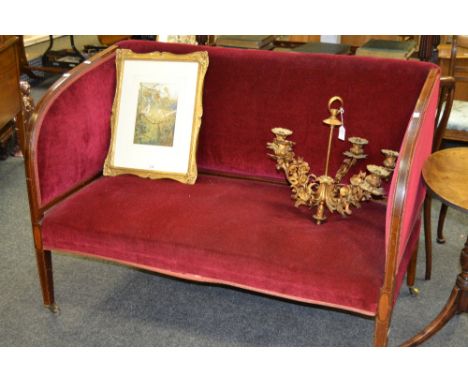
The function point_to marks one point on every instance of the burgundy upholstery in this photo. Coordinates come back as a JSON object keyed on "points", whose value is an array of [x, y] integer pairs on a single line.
{"points": [[246, 93], [74, 136], [243, 233], [237, 232], [416, 190]]}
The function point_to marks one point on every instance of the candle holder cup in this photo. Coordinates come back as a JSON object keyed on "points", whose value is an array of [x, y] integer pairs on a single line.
{"points": [[326, 192]]}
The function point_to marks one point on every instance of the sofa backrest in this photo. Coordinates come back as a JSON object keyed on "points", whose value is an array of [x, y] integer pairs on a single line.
{"points": [[246, 93]]}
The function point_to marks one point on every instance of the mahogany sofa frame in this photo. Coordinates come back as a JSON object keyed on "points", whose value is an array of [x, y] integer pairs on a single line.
{"points": [[386, 297]]}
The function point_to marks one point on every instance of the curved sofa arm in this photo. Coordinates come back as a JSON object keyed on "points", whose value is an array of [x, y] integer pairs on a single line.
{"points": [[406, 196], [67, 136], [407, 190]]}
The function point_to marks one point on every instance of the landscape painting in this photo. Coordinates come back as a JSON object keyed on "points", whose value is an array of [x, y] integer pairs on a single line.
{"points": [[156, 114]]}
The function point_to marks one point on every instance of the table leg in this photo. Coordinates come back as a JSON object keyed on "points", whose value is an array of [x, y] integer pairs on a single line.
{"points": [[457, 303], [440, 224], [462, 280], [428, 235]]}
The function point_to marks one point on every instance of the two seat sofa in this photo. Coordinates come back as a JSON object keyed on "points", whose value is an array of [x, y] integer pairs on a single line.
{"points": [[237, 225]]}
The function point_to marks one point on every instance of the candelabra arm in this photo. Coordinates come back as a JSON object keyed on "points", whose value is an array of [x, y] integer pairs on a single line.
{"points": [[344, 168], [324, 192]]}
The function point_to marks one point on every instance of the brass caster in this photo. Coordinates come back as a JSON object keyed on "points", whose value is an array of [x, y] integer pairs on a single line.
{"points": [[440, 240], [414, 291], [54, 308]]}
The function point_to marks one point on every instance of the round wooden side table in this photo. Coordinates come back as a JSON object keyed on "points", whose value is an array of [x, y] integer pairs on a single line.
{"points": [[446, 175]]}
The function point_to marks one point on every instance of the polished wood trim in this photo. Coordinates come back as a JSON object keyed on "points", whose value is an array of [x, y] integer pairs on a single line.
{"points": [[385, 305]]}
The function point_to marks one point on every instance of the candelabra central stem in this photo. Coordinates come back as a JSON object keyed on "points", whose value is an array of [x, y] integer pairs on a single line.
{"points": [[332, 121], [325, 192], [330, 137]]}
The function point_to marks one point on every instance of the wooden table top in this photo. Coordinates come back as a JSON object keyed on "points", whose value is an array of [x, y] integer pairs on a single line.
{"points": [[446, 175]]}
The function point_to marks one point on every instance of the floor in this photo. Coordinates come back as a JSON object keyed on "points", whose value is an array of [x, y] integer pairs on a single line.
{"points": [[104, 304]]}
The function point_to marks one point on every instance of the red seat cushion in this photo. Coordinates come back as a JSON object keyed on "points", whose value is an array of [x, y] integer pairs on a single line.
{"points": [[235, 232]]}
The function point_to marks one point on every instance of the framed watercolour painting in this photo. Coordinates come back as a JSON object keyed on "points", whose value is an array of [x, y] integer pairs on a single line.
{"points": [[157, 115]]}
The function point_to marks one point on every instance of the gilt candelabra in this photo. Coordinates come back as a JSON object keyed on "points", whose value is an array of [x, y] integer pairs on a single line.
{"points": [[324, 191]]}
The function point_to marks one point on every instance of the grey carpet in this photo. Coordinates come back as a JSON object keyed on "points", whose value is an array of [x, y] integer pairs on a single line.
{"points": [[104, 304]]}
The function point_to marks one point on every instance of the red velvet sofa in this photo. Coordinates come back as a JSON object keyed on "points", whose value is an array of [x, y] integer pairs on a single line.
{"points": [[237, 225]]}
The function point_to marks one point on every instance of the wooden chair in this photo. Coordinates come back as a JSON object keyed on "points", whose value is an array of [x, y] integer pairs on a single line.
{"points": [[455, 129], [29, 70], [444, 108]]}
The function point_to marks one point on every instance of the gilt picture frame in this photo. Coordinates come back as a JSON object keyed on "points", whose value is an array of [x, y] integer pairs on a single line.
{"points": [[156, 115]]}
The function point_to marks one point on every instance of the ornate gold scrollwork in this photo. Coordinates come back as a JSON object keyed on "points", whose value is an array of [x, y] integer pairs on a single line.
{"points": [[324, 191]]}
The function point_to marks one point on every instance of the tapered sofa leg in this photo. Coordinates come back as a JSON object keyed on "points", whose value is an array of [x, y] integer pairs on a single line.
{"points": [[381, 332], [383, 317], [44, 267], [411, 273]]}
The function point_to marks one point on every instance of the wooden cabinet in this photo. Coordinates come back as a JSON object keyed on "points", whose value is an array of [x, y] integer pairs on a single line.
{"points": [[10, 96]]}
